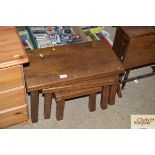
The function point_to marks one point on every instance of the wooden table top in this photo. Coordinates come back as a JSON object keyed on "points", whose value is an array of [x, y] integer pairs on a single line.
{"points": [[11, 48], [138, 31], [78, 62]]}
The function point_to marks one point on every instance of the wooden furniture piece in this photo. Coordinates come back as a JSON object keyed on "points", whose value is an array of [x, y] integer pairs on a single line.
{"points": [[13, 106], [76, 66], [63, 95], [89, 87], [135, 47]]}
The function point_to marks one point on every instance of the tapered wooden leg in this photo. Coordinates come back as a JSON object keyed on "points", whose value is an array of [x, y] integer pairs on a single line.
{"points": [[112, 94], [34, 106], [47, 106], [104, 97], [60, 109], [119, 93], [125, 79], [92, 102]]}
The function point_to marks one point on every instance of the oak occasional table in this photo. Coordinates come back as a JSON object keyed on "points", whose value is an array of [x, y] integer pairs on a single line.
{"points": [[71, 71]]}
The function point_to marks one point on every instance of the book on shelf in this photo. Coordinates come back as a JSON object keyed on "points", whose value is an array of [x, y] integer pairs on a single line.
{"points": [[45, 36], [105, 35], [26, 41]]}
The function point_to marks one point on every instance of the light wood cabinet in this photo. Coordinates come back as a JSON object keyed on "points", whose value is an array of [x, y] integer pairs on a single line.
{"points": [[13, 104]]}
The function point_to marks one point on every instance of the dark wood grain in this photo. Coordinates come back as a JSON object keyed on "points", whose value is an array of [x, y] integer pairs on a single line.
{"points": [[89, 66], [138, 31], [105, 97], [109, 80], [34, 106], [112, 94], [82, 61], [76, 93], [141, 51], [120, 44], [47, 106], [60, 109], [92, 102], [62, 96], [135, 46]]}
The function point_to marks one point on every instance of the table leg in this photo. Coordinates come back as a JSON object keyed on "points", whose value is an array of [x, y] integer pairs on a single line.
{"points": [[60, 109], [92, 102], [125, 78], [119, 93], [112, 94], [34, 106], [47, 106], [104, 97]]}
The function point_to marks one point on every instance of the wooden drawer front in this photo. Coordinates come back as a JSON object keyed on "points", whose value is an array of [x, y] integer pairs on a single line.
{"points": [[13, 117], [11, 77], [12, 98]]}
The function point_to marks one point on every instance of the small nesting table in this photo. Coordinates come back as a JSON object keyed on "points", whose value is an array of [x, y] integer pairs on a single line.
{"points": [[71, 71]]}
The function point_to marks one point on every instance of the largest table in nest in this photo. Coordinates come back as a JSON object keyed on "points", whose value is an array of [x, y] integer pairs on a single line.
{"points": [[77, 63]]}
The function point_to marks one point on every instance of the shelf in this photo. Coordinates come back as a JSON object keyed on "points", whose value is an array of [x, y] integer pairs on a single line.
{"points": [[48, 36]]}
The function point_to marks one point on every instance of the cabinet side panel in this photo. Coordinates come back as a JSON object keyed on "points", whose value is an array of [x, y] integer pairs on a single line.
{"points": [[140, 52], [120, 44]]}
